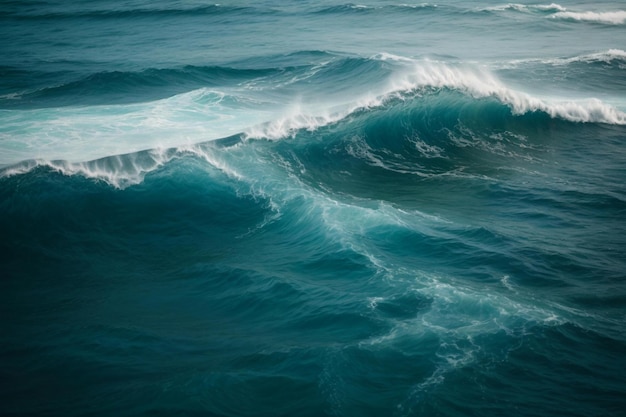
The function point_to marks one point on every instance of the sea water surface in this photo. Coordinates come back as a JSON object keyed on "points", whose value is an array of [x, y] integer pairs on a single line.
{"points": [[379, 208]]}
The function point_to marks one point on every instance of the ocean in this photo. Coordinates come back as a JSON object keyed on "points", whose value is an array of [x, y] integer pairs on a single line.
{"points": [[312, 208]]}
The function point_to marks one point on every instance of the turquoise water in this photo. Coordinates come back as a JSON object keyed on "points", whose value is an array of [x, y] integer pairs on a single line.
{"points": [[312, 208]]}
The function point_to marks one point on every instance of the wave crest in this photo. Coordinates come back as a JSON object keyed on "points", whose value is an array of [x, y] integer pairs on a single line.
{"points": [[556, 11], [481, 83], [122, 171], [611, 56]]}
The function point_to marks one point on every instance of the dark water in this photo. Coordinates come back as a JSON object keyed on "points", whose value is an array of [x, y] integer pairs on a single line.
{"points": [[313, 208]]}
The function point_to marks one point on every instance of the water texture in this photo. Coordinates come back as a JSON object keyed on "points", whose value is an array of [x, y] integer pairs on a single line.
{"points": [[312, 208]]}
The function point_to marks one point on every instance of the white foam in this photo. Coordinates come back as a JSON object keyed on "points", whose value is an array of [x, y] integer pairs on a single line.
{"points": [[506, 282], [551, 7], [418, 6], [426, 150], [212, 158], [590, 110], [297, 117], [429, 73], [87, 133], [293, 119], [612, 18], [385, 56]]}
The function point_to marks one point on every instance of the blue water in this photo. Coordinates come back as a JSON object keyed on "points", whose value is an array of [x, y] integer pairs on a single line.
{"points": [[312, 208]]}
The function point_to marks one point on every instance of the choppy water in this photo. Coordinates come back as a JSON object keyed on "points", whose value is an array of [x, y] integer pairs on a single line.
{"points": [[312, 208]]}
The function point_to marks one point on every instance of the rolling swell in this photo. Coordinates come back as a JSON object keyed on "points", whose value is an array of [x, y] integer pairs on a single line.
{"points": [[132, 87], [122, 87], [419, 131], [185, 262], [437, 283]]}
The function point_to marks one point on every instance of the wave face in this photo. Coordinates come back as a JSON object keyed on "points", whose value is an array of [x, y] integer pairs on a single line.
{"points": [[312, 209]]}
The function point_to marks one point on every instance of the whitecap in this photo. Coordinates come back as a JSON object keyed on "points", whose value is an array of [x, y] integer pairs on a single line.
{"points": [[611, 18]]}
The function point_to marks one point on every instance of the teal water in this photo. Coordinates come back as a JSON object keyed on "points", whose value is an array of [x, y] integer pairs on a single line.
{"points": [[312, 208]]}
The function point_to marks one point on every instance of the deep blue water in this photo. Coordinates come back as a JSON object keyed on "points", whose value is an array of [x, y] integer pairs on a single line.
{"points": [[312, 208]]}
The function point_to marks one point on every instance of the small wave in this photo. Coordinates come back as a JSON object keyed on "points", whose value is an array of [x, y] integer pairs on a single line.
{"points": [[556, 11], [385, 56], [345, 8], [610, 56], [120, 87], [361, 8], [552, 7], [417, 6], [611, 18], [293, 121], [606, 56]]}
